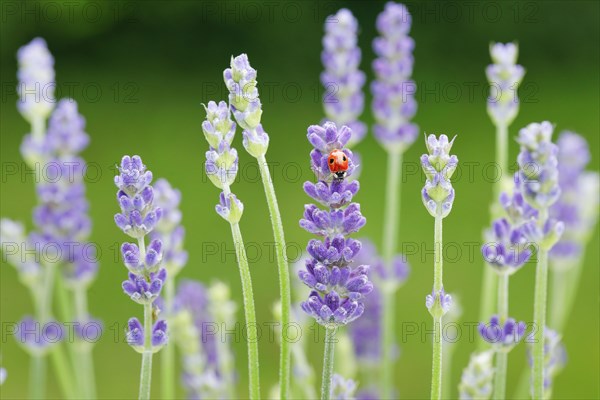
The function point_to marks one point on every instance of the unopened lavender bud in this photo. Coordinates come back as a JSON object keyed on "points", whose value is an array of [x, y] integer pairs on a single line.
{"points": [[438, 303], [218, 125], [36, 80], [230, 208], [504, 77], [222, 166], [256, 141], [438, 166], [241, 82]]}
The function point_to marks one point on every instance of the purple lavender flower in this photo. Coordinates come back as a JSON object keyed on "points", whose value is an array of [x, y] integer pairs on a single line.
{"points": [[138, 216], [579, 193], [538, 165], [144, 291], [439, 166], [507, 248], [135, 335], [504, 76], [516, 208], [505, 334], [343, 100], [36, 80], [207, 362], [338, 287], [326, 138], [393, 91], [38, 338]]}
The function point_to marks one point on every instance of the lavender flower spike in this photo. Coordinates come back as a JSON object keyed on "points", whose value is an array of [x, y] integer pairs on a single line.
{"points": [[139, 216], [439, 166], [245, 104], [538, 175], [221, 167], [438, 196], [579, 195], [338, 288], [36, 81], [343, 100], [393, 90], [240, 80], [504, 76]]}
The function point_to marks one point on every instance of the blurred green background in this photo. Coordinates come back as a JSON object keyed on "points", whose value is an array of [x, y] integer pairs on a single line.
{"points": [[140, 71]]}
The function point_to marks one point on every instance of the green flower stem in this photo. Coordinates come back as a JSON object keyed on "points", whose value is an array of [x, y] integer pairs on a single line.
{"points": [[501, 356], [438, 268], [328, 362], [284, 275], [84, 350], [539, 314], [37, 381], [73, 384], [37, 376], [390, 237], [63, 372], [565, 281], [146, 370], [250, 313], [168, 353]]}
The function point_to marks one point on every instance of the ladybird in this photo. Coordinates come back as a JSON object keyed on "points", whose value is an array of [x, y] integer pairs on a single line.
{"points": [[338, 163]]}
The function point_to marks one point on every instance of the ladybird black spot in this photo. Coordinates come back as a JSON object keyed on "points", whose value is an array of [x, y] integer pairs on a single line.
{"points": [[331, 161], [344, 158]]}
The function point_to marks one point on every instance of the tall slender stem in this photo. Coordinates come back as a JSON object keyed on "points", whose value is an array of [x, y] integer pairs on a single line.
{"points": [[37, 383], [146, 370], [63, 373], [328, 358], [84, 350], [168, 353], [249, 311], [539, 319], [502, 355], [436, 368], [284, 276], [37, 376], [390, 237], [438, 268]]}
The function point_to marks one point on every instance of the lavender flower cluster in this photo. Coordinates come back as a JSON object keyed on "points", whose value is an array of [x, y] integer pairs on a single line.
{"points": [[338, 289], [344, 99], [504, 76], [139, 216], [393, 91]]}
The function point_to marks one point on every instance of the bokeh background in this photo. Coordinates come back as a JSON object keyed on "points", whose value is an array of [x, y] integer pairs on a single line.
{"points": [[140, 71]]}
